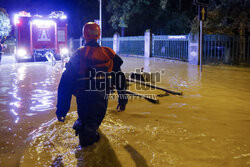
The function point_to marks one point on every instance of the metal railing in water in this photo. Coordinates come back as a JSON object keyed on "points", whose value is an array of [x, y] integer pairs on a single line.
{"points": [[131, 45], [216, 48], [108, 42], [248, 49], [225, 49], [170, 46]]}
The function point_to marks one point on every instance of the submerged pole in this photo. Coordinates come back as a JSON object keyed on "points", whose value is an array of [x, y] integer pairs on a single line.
{"points": [[201, 46]]}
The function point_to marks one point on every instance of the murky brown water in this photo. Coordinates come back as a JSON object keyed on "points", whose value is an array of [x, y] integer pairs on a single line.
{"points": [[208, 126], [27, 99]]}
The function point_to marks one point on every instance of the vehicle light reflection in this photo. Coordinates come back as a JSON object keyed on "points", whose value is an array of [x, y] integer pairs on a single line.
{"points": [[42, 100], [21, 73], [30, 114], [17, 120], [17, 104], [13, 111]]}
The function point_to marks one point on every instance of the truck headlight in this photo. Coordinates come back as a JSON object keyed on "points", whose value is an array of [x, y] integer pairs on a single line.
{"points": [[64, 51], [21, 52]]}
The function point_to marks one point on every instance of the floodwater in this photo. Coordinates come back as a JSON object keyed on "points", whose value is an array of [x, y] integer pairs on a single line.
{"points": [[208, 126]]}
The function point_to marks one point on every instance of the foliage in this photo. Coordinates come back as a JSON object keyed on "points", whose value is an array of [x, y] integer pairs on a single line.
{"points": [[225, 17], [5, 27], [161, 16], [123, 10]]}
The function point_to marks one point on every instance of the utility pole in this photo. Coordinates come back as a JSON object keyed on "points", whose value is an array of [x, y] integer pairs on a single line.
{"points": [[202, 11], [201, 49], [202, 18], [100, 17]]}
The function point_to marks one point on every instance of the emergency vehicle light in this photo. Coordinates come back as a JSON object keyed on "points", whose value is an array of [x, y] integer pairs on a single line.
{"points": [[64, 51], [21, 52], [24, 14], [43, 23], [16, 19], [63, 17]]}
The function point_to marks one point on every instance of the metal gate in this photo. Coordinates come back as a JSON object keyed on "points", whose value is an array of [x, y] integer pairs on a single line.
{"points": [[170, 46], [108, 42], [225, 49], [131, 45]]}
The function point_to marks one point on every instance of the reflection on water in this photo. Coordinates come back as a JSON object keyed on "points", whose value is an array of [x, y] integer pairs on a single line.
{"points": [[26, 90], [50, 149], [17, 119], [207, 126], [42, 100]]}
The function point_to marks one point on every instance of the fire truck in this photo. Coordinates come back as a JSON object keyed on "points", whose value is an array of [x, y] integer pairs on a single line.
{"points": [[39, 37]]}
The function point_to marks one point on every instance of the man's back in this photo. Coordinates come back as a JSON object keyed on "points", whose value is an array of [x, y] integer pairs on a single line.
{"points": [[91, 103]]}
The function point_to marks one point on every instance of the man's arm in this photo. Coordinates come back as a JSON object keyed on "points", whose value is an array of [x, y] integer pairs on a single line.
{"points": [[120, 83], [65, 90]]}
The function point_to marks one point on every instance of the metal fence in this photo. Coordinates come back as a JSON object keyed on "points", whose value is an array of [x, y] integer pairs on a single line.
{"points": [[216, 48], [171, 47], [108, 42], [74, 44], [248, 49], [131, 45], [225, 49]]}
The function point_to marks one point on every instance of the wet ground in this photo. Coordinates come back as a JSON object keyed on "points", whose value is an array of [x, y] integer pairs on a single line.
{"points": [[208, 126]]}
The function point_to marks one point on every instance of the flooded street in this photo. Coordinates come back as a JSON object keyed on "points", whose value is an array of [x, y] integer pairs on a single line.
{"points": [[27, 99], [208, 126]]}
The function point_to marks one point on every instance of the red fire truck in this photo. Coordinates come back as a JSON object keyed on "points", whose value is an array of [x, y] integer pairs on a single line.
{"points": [[40, 37]]}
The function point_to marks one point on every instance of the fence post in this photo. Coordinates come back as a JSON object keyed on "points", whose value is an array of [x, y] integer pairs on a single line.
{"points": [[227, 58], [147, 44], [242, 56], [193, 49], [116, 42], [81, 41]]}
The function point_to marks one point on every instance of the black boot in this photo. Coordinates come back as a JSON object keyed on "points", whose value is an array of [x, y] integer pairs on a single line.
{"points": [[87, 139], [88, 134]]}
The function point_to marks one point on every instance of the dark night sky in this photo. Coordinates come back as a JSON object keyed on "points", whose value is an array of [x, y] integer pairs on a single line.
{"points": [[78, 14], [38, 6]]}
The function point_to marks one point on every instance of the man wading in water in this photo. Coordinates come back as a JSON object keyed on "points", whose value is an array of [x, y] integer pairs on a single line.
{"points": [[90, 75]]}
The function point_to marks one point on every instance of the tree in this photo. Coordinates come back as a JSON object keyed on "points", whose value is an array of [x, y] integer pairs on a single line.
{"points": [[161, 16], [5, 27], [225, 17]]}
